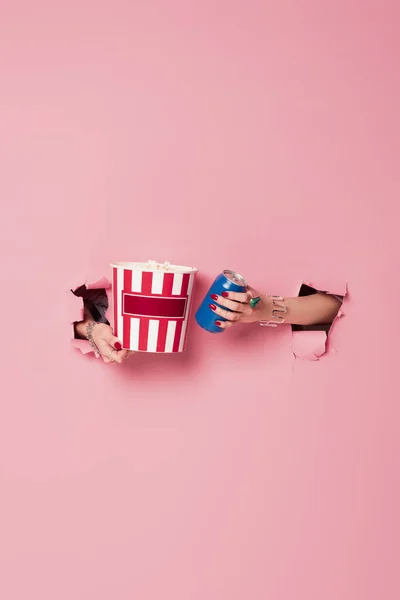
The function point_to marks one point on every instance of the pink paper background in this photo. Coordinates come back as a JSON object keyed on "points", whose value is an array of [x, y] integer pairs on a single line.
{"points": [[261, 136]]}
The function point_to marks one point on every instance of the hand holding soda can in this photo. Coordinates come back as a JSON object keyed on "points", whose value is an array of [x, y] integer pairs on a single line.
{"points": [[227, 282]]}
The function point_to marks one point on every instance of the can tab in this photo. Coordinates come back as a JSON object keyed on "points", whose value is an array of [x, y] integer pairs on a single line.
{"points": [[235, 277]]}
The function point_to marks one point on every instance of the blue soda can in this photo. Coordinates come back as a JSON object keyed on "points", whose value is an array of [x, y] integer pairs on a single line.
{"points": [[228, 281]]}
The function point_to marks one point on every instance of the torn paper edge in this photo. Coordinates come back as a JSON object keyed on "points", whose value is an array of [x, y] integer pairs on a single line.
{"points": [[76, 309], [315, 343]]}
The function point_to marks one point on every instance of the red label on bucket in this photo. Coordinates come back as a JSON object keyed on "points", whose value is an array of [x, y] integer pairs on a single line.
{"points": [[151, 306]]}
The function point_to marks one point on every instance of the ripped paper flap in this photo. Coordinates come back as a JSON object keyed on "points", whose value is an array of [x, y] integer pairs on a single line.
{"points": [[336, 288], [308, 345]]}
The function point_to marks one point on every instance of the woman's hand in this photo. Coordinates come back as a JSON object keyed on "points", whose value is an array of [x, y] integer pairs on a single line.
{"points": [[239, 309], [100, 335], [109, 347]]}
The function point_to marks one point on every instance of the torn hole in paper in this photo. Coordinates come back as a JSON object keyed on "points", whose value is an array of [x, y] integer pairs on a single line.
{"points": [[309, 342], [95, 296]]}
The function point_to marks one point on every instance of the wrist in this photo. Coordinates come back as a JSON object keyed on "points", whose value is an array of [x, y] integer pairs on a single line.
{"points": [[275, 311], [80, 326], [265, 312], [91, 326], [80, 329]]}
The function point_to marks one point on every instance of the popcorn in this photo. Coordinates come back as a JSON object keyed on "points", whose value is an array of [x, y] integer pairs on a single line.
{"points": [[153, 264]]}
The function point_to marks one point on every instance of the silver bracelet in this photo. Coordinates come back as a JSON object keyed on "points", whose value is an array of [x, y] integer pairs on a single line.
{"points": [[277, 313], [89, 334]]}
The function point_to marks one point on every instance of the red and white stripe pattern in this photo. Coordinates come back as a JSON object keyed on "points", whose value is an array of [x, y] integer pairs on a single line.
{"points": [[151, 309]]}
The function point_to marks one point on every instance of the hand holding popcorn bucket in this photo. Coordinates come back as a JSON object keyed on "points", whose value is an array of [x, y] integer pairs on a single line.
{"points": [[152, 304]]}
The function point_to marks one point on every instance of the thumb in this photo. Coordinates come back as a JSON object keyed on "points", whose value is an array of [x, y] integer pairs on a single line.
{"points": [[114, 342]]}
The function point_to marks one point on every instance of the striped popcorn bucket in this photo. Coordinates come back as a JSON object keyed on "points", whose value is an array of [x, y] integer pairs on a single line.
{"points": [[152, 305]]}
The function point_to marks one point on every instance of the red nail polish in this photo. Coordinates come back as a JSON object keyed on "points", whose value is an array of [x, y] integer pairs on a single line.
{"points": [[218, 323], [117, 346], [212, 306], [225, 294], [214, 297]]}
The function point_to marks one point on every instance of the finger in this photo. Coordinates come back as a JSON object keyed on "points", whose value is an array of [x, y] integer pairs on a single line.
{"points": [[232, 315], [236, 296], [123, 354], [224, 324], [108, 353], [232, 305], [106, 356], [114, 342], [226, 314], [117, 355]]}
